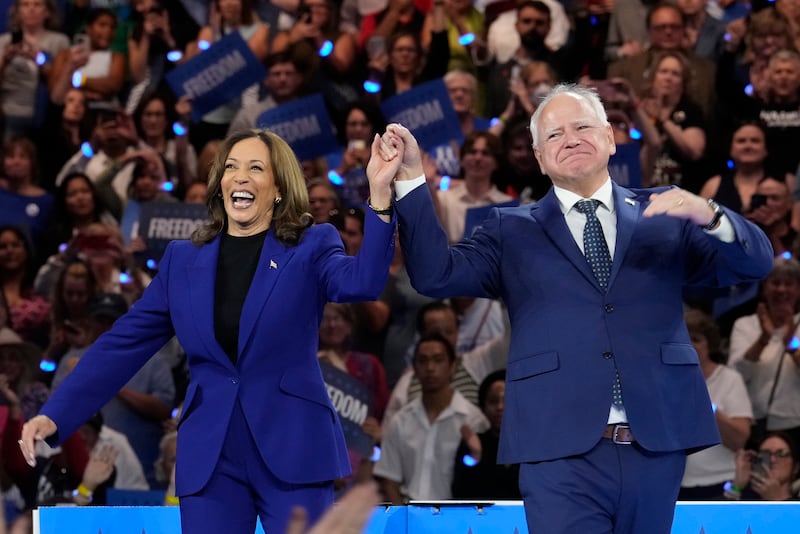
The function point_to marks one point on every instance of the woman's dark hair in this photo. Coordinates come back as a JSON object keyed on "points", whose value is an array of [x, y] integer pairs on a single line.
{"points": [[170, 115], [76, 269], [30, 271], [435, 336], [246, 16], [62, 217], [27, 146], [370, 110], [290, 217], [98, 12], [701, 323], [486, 385]]}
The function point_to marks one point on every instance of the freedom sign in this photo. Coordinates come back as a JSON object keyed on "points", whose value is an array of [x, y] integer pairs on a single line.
{"points": [[426, 110], [217, 75], [304, 124]]}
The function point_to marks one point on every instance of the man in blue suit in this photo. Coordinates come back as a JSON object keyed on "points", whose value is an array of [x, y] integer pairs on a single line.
{"points": [[604, 394]]}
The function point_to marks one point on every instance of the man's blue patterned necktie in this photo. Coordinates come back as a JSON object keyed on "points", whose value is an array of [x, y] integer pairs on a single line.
{"points": [[595, 249]]}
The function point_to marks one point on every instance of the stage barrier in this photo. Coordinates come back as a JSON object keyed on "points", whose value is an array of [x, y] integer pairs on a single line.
{"points": [[431, 518]]}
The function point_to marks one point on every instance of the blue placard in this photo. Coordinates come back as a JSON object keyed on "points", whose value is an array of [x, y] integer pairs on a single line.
{"points": [[162, 222], [351, 400], [625, 167], [426, 110], [304, 124], [217, 75], [476, 216]]}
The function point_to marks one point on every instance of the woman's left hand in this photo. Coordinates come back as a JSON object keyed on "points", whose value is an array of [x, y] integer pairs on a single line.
{"points": [[384, 163]]}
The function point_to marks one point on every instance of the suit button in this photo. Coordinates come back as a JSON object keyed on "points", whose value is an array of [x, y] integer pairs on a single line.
{"points": [[609, 308], [608, 355], [234, 380]]}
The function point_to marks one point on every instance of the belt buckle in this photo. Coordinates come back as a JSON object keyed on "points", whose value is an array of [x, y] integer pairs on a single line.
{"points": [[615, 437]]}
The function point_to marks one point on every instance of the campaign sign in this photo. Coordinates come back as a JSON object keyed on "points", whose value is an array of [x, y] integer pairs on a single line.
{"points": [[162, 222], [304, 124], [476, 216], [351, 400], [217, 75], [625, 167], [426, 110]]}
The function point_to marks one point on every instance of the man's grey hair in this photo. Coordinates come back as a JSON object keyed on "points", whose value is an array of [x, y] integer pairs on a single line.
{"points": [[589, 95]]}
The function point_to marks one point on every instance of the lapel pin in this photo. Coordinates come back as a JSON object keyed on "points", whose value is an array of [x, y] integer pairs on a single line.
{"points": [[272, 264], [630, 201]]}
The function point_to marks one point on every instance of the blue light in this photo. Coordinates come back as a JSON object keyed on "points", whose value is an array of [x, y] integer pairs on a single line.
{"points": [[376, 454], [593, 20], [168, 187], [174, 55], [467, 38], [77, 79], [635, 134], [727, 36], [87, 149], [202, 44], [175, 413], [334, 177], [494, 122], [713, 408], [786, 255], [47, 366], [748, 89], [326, 49], [41, 58], [469, 461], [730, 164], [151, 264], [179, 129], [444, 183], [62, 247], [372, 87], [124, 278], [794, 343]]}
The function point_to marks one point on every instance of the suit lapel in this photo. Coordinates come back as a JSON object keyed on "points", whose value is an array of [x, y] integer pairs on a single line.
{"points": [[628, 210], [547, 213], [202, 276], [272, 263]]}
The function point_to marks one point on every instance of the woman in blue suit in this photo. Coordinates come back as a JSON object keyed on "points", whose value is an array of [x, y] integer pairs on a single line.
{"points": [[258, 434]]}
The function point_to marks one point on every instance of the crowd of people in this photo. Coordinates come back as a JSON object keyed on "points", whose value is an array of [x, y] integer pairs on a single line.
{"points": [[707, 93]]}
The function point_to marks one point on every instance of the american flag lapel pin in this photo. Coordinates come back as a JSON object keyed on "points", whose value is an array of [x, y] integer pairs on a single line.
{"points": [[272, 264]]}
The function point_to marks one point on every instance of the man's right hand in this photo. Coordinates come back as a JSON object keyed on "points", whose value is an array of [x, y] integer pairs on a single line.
{"points": [[399, 138], [38, 428]]}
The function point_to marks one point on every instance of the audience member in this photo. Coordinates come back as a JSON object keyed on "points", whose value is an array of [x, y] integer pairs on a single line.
{"points": [[503, 39], [24, 74], [25, 311], [128, 472], [22, 201], [678, 158], [763, 351], [769, 473], [230, 16], [154, 118], [284, 83], [665, 29], [480, 155], [90, 63], [708, 470], [65, 129], [323, 200], [19, 390], [420, 441], [476, 474], [735, 186]]}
